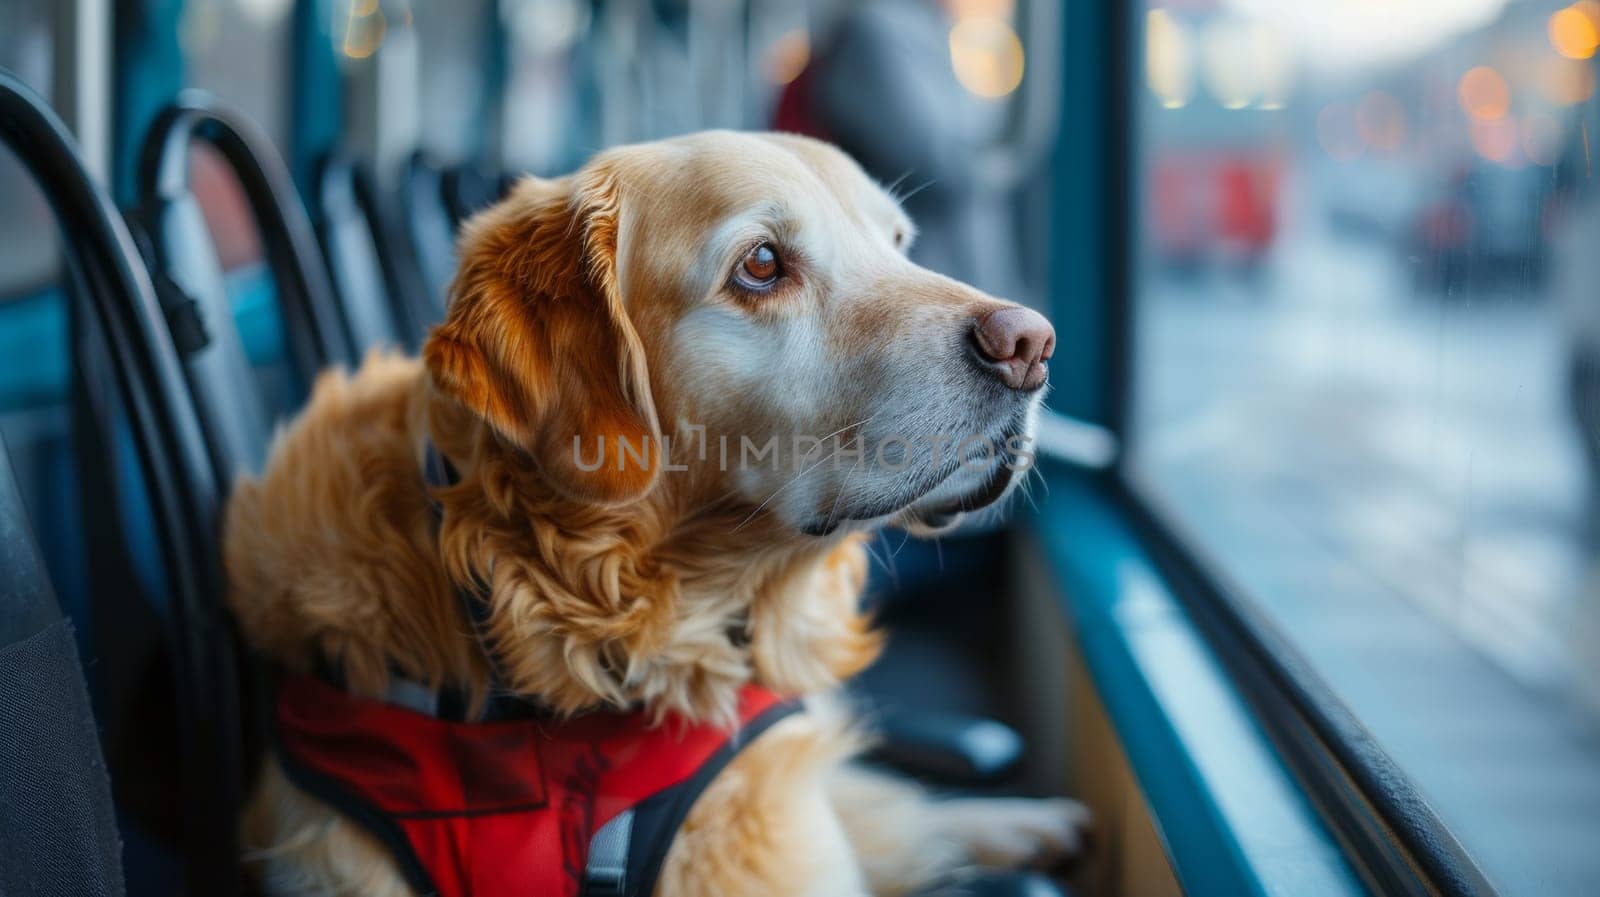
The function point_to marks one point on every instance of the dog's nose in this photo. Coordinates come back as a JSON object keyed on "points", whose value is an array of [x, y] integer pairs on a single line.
{"points": [[1015, 343]]}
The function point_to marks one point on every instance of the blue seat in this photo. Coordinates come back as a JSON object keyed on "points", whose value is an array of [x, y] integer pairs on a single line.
{"points": [[123, 332], [375, 271]]}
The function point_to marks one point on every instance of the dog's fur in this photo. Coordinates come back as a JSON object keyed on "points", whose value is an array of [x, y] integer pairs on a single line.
{"points": [[599, 305]]}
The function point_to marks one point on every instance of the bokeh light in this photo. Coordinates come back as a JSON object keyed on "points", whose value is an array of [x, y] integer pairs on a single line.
{"points": [[364, 29], [1574, 32], [788, 56], [987, 56], [982, 9], [1275, 66], [1168, 59], [1484, 94]]}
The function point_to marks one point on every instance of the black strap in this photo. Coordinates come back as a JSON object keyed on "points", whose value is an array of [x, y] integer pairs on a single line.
{"points": [[439, 473], [503, 703], [656, 819]]}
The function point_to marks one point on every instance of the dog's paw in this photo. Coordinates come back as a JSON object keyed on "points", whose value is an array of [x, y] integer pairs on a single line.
{"points": [[1008, 833]]}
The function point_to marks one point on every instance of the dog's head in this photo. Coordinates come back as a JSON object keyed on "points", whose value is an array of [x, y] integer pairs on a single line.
{"points": [[746, 300]]}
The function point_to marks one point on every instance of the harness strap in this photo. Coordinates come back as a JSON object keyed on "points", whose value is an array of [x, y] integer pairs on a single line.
{"points": [[503, 704], [625, 855], [605, 873], [439, 473], [606, 870], [363, 759]]}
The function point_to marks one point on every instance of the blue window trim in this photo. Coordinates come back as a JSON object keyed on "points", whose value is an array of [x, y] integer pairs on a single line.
{"points": [[1091, 220], [316, 103], [1233, 818], [149, 72]]}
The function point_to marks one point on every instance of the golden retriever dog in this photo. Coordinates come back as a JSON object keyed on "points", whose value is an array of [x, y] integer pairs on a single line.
{"points": [[676, 304]]}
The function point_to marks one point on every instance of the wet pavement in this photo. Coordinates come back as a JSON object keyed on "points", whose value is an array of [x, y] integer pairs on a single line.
{"points": [[1395, 475]]}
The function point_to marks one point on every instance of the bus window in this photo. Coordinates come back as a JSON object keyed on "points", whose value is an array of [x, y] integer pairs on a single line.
{"points": [[549, 86], [237, 51], [27, 242], [454, 47], [1368, 376], [935, 99]]}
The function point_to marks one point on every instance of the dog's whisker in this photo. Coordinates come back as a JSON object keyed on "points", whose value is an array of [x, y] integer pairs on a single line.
{"points": [[790, 482], [904, 538], [915, 190], [796, 478], [843, 487], [895, 184], [887, 560]]}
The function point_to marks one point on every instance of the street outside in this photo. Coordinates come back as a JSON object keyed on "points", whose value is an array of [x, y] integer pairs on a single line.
{"points": [[1395, 475], [1429, 436]]}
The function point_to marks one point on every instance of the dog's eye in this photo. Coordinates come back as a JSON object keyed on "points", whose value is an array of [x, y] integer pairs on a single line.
{"points": [[759, 269]]}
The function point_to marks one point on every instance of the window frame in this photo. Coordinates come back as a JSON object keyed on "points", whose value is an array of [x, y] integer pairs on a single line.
{"points": [[1375, 813]]}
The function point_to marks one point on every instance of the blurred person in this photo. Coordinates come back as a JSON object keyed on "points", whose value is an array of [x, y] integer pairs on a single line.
{"points": [[1579, 295], [881, 86], [1576, 289]]}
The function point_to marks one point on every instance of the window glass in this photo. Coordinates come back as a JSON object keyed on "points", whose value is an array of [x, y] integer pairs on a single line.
{"points": [[238, 51], [1367, 376], [27, 233], [454, 48]]}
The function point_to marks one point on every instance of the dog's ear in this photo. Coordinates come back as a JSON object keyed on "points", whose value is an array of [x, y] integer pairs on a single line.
{"points": [[537, 343]]}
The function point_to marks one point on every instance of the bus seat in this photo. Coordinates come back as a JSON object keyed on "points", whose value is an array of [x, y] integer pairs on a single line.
{"points": [[189, 285], [55, 800], [430, 227], [117, 302], [352, 258], [469, 188], [375, 270], [184, 257]]}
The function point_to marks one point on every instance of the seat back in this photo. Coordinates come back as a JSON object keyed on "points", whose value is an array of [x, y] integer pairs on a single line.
{"points": [[315, 335], [58, 832], [118, 298], [468, 189], [190, 287], [352, 258], [374, 270], [430, 228], [188, 277]]}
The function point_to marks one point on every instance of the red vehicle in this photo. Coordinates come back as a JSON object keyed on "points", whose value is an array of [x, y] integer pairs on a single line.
{"points": [[1208, 203]]}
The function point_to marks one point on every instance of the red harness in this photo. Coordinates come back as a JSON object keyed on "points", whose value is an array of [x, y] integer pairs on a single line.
{"points": [[534, 806]]}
